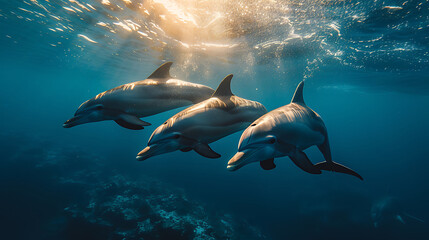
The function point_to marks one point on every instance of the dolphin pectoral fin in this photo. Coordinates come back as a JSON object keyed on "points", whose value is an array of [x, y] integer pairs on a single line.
{"points": [[267, 164], [336, 167], [301, 160], [205, 151], [400, 219], [131, 122], [186, 149], [128, 125]]}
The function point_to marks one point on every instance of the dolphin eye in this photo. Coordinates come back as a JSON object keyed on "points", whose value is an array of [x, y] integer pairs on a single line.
{"points": [[99, 107], [272, 140], [254, 124], [165, 123]]}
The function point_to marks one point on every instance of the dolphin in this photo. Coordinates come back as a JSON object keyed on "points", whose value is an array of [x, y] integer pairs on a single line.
{"points": [[389, 211], [203, 123], [287, 131], [128, 103]]}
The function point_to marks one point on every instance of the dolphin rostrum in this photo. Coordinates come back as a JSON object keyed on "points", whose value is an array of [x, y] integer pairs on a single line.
{"points": [[128, 103], [203, 123], [287, 131]]}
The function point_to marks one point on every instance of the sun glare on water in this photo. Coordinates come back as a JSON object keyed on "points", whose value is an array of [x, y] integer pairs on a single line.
{"points": [[207, 26], [195, 33]]}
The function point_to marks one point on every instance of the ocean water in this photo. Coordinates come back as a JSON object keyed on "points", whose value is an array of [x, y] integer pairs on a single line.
{"points": [[366, 67]]}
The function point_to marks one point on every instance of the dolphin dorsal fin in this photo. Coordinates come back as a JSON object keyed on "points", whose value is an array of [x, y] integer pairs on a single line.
{"points": [[298, 97], [224, 89], [162, 72]]}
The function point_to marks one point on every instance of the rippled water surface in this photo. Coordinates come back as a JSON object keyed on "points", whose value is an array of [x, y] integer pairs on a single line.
{"points": [[366, 66], [385, 38]]}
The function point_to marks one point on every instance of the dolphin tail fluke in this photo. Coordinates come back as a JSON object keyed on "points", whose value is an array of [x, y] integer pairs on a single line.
{"points": [[330, 165], [336, 167]]}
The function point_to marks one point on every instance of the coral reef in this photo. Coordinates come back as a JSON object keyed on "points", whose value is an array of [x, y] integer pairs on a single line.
{"points": [[124, 209], [66, 193]]}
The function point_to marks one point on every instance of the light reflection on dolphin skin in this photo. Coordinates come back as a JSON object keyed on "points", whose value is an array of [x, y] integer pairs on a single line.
{"points": [[128, 103], [287, 131], [203, 123]]}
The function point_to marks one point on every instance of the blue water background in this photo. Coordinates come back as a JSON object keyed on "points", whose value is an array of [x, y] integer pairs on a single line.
{"points": [[375, 107]]}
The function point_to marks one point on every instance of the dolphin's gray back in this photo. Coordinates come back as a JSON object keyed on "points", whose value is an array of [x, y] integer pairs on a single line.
{"points": [[230, 105], [148, 97], [292, 113], [216, 117], [294, 122]]}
